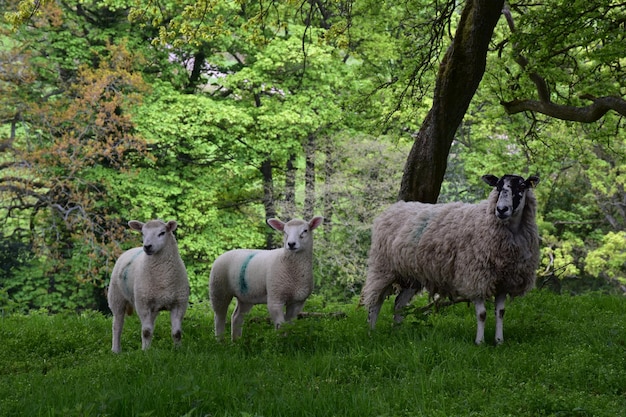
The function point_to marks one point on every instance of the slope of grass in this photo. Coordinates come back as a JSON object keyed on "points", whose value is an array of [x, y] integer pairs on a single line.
{"points": [[562, 356]]}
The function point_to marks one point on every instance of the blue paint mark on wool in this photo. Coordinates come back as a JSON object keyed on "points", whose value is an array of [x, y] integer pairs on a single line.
{"points": [[419, 230], [243, 285]]}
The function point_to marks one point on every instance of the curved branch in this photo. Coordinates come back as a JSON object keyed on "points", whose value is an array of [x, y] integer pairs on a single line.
{"points": [[586, 114]]}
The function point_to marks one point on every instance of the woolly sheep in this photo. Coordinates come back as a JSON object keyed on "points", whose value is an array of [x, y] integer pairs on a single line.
{"points": [[280, 277], [149, 279], [458, 250]]}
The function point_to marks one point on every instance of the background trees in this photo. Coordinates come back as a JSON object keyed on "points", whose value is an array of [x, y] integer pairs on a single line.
{"points": [[221, 114]]}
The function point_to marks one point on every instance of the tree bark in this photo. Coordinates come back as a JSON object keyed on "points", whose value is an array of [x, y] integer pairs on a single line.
{"points": [[460, 73], [585, 114], [309, 177], [268, 200], [290, 190]]}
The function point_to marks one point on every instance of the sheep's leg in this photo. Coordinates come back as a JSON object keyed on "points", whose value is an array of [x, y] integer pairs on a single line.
{"points": [[220, 308], [236, 321], [500, 299], [481, 317], [176, 318], [147, 319], [402, 300], [378, 286], [293, 310], [276, 312], [377, 303], [118, 324], [372, 314]]}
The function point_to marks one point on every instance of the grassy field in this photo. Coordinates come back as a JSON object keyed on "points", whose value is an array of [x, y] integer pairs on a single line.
{"points": [[562, 356]]}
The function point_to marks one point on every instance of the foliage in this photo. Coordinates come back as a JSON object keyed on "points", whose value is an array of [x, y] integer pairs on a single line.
{"points": [[325, 365], [610, 258], [117, 109], [57, 173]]}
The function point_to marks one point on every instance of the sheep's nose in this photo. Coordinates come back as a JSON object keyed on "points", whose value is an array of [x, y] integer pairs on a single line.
{"points": [[292, 245], [147, 248], [502, 211]]}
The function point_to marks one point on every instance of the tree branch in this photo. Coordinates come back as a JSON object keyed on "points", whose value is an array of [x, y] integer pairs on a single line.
{"points": [[586, 114]]}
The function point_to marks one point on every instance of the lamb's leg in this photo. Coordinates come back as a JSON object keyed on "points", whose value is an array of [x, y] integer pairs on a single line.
{"points": [[500, 299], [118, 324], [236, 321], [220, 308], [176, 318], [276, 312], [293, 310], [147, 318], [481, 317]]}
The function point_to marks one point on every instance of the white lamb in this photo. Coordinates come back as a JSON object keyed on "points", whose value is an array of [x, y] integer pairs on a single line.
{"points": [[280, 277], [457, 250], [149, 279]]}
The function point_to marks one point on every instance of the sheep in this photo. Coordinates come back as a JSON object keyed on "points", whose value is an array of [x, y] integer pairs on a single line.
{"points": [[281, 278], [457, 250], [149, 279]]}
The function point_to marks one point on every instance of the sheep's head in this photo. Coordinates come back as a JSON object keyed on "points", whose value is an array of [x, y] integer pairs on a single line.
{"points": [[156, 234], [512, 190], [297, 233]]}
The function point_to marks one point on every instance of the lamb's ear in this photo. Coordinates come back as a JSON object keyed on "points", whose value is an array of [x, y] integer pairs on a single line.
{"points": [[490, 179], [315, 222], [276, 224], [171, 225], [532, 181], [135, 225]]}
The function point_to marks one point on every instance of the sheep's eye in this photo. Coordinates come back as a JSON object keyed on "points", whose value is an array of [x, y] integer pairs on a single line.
{"points": [[161, 234]]}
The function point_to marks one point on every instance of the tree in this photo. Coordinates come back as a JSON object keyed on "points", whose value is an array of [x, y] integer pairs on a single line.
{"points": [[583, 38], [460, 73]]}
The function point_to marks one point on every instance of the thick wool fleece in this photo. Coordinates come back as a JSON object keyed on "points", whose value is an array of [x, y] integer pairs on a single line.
{"points": [[457, 250]]}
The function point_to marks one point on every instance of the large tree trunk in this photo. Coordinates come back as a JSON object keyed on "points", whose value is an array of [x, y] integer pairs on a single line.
{"points": [[460, 73]]}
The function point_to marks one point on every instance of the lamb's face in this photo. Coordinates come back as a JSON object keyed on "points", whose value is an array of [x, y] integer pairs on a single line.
{"points": [[297, 235], [156, 234], [512, 191]]}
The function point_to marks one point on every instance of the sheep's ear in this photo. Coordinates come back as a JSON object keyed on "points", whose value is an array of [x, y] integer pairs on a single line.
{"points": [[532, 181], [135, 225], [315, 221], [171, 225], [490, 179], [276, 224]]}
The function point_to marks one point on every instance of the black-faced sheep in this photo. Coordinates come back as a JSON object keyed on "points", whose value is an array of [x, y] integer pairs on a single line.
{"points": [[149, 279], [457, 250], [281, 278]]}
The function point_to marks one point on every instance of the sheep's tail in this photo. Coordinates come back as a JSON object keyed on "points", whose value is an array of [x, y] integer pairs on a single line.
{"points": [[376, 289]]}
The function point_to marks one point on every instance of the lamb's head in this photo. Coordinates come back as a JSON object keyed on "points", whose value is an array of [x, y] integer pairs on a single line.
{"points": [[511, 194], [156, 234], [298, 234]]}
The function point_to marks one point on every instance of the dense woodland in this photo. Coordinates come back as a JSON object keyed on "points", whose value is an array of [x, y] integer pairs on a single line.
{"points": [[220, 114]]}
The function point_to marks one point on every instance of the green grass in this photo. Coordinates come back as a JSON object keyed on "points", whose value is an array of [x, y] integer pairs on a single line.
{"points": [[562, 356]]}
